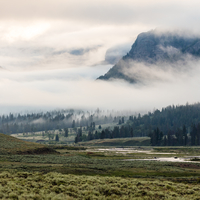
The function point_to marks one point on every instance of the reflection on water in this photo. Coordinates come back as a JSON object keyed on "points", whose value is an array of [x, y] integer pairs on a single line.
{"points": [[134, 150]]}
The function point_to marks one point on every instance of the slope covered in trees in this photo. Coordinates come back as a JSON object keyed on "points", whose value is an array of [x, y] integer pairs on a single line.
{"points": [[174, 125], [169, 118], [95, 125], [57, 119]]}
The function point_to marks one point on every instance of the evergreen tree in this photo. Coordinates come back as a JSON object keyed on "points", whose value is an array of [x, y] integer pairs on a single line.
{"points": [[198, 134], [169, 138], [66, 132], [156, 137], [165, 141], [116, 132], [90, 136], [80, 132], [96, 136], [131, 132], [131, 118], [185, 135], [179, 137], [93, 126], [107, 133], [76, 139], [57, 138], [73, 124], [122, 132], [193, 134], [102, 135]]}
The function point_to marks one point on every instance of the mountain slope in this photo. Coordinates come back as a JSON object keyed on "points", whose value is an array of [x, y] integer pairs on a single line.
{"points": [[155, 47]]}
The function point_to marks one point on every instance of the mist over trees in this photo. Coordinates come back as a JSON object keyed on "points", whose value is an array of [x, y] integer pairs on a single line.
{"points": [[173, 125], [57, 119]]}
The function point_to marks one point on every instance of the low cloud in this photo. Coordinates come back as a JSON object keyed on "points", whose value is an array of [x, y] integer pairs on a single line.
{"points": [[51, 47], [114, 54], [163, 87], [150, 74]]}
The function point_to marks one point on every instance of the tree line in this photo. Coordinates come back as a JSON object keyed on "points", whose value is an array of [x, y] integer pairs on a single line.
{"points": [[58, 119], [180, 137], [165, 127], [117, 132]]}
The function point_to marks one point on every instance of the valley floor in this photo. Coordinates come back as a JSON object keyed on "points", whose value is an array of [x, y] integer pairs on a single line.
{"points": [[23, 185], [101, 173]]}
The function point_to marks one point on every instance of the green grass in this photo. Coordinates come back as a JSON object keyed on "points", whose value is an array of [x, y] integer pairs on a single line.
{"points": [[43, 137], [88, 163], [57, 186], [87, 172], [122, 142], [11, 145]]}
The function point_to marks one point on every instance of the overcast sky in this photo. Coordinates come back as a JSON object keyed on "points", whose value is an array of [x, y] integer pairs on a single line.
{"points": [[51, 51]]}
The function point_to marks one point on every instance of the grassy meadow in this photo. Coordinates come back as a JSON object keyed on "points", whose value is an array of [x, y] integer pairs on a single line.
{"points": [[135, 141], [96, 172], [23, 185], [48, 137]]}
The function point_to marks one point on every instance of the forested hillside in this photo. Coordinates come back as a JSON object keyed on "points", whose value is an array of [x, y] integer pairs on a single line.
{"points": [[160, 125], [169, 118], [173, 125], [57, 119]]}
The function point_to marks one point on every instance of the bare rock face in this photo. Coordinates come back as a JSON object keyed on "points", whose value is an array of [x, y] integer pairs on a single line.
{"points": [[155, 47]]}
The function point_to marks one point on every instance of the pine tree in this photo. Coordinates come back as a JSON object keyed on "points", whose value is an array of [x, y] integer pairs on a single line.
{"points": [[66, 132], [179, 137], [185, 135], [76, 139], [57, 138], [131, 132], [193, 134], [156, 137], [90, 136], [102, 135], [198, 134], [93, 126], [116, 132], [96, 136], [73, 124]]}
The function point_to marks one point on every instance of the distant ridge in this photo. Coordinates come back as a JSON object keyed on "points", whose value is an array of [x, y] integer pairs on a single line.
{"points": [[155, 47]]}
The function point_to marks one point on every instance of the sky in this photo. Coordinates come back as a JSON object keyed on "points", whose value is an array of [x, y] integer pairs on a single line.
{"points": [[52, 51]]}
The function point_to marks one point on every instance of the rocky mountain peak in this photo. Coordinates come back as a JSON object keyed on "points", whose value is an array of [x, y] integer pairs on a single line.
{"points": [[153, 47]]}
